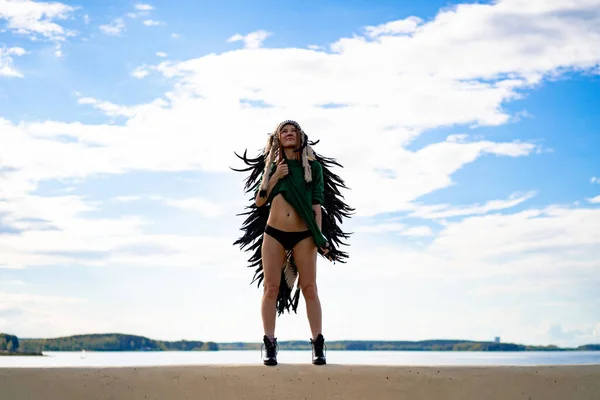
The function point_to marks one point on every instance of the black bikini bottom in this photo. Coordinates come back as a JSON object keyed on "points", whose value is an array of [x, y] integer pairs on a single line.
{"points": [[287, 239]]}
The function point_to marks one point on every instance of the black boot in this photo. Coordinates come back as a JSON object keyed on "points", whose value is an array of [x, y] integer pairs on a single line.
{"points": [[318, 347], [270, 357]]}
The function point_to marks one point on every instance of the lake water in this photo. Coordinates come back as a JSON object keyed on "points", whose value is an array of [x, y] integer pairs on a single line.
{"points": [[412, 358]]}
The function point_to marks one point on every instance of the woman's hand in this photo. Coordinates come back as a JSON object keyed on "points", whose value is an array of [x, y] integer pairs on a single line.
{"points": [[325, 251], [281, 171]]}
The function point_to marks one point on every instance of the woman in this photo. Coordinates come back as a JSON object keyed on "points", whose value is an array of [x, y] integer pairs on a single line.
{"points": [[294, 215]]}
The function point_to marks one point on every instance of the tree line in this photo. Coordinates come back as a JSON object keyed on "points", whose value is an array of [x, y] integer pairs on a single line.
{"points": [[425, 345], [11, 344], [112, 342], [8, 343]]}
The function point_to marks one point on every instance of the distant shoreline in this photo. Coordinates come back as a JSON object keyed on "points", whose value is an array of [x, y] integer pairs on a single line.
{"points": [[125, 342], [19, 353]]}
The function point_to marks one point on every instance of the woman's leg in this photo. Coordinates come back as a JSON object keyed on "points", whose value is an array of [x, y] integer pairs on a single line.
{"points": [[305, 255], [273, 257]]}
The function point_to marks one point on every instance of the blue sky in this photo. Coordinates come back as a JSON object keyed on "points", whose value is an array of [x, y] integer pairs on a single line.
{"points": [[468, 134]]}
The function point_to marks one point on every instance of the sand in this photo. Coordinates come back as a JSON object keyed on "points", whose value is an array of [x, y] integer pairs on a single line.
{"points": [[287, 381]]}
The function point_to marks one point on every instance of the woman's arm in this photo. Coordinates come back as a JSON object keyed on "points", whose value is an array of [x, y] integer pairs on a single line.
{"points": [[280, 171], [318, 217], [317, 213], [260, 201]]}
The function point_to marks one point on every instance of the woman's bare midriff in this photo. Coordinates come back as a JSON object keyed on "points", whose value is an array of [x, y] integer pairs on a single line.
{"points": [[284, 217]]}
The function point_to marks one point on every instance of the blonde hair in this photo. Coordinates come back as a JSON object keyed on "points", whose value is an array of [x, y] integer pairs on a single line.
{"points": [[273, 150]]}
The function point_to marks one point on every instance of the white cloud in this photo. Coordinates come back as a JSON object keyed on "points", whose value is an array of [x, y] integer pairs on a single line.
{"points": [[151, 22], [175, 35], [252, 40], [6, 61], [12, 282], [545, 245], [409, 175], [115, 28], [27, 312], [569, 336], [198, 205], [126, 199], [36, 19], [408, 25], [58, 50], [381, 228], [419, 231], [536, 240], [141, 10], [595, 179], [11, 299], [140, 72], [105, 241], [86, 19], [143, 7], [554, 247], [115, 110], [513, 29], [594, 200], [447, 211], [395, 227], [161, 54]]}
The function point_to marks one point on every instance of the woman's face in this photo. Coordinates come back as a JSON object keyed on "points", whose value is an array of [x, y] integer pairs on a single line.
{"points": [[288, 136]]}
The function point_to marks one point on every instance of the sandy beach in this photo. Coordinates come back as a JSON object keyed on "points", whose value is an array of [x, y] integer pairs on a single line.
{"points": [[301, 382]]}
